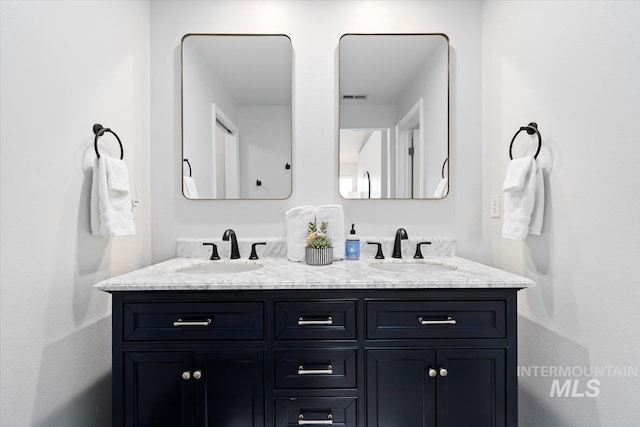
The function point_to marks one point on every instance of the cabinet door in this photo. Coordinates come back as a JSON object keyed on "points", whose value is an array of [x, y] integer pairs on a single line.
{"points": [[473, 391], [399, 390], [155, 392], [230, 392]]}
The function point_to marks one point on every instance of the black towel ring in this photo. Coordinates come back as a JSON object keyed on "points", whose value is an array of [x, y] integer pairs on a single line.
{"points": [[443, 165], [187, 160], [531, 128], [99, 130]]}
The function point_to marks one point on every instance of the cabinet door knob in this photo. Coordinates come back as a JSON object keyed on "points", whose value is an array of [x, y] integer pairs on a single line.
{"points": [[443, 372], [197, 374], [432, 372], [186, 375]]}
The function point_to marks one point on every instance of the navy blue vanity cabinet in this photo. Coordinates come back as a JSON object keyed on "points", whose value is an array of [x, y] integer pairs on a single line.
{"points": [[462, 387], [316, 362], [399, 390], [156, 393], [473, 390], [202, 388], [340, 357], [439, 362], [230, 391], [188, 361]]}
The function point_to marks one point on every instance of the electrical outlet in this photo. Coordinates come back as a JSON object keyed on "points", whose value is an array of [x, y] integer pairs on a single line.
{"points": [[495, 206]]}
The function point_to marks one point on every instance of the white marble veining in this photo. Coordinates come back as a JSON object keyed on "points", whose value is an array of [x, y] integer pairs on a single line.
{"points": [[277, 247], [278, 273]]}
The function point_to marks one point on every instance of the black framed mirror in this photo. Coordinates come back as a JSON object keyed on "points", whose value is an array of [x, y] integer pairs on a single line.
{"points": [[237, 116], [394, 116]]}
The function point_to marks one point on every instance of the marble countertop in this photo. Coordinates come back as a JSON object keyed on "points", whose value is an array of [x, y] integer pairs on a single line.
{"points": [[447, 272]]}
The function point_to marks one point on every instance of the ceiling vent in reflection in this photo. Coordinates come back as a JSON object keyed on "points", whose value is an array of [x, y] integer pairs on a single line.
{"points": [[362, 97]]}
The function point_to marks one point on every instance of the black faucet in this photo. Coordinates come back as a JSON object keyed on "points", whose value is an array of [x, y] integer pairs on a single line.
{"points": [[230, 234], [401, 234]]}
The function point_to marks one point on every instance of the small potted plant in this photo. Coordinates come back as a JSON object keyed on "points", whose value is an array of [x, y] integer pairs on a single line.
{"points": [[319, 250]]}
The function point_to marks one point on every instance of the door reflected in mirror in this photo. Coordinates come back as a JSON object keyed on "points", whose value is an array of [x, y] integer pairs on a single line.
{"points": [[236, 116], [394, 116]]}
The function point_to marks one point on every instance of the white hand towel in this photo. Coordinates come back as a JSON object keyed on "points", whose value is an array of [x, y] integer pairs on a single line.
{"points": [[111, 208], [94, 209], [442, 189], [189, 188], [336, 232], [537, 215], [117, 175], [519, 198], [297, 225]]}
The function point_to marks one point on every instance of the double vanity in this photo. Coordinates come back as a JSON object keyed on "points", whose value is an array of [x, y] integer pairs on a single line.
{"points": [[268, 342]]}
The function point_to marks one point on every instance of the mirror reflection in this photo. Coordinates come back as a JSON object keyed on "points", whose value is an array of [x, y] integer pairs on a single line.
{"points": [[394, 116], [236, 116]]}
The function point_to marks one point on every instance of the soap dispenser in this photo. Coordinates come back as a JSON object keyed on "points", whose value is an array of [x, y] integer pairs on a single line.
{"points": [[352, 245]]}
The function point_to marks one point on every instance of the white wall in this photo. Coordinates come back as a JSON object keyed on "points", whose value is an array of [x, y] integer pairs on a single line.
{"points": [[431, 86], [64, 67], [370, 160], [265, 149], [201, 88], [572, 67], [315, 28]]}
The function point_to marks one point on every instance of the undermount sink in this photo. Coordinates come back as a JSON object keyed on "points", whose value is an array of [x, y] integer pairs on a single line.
{"points": [[221, 267], [412, 266]]}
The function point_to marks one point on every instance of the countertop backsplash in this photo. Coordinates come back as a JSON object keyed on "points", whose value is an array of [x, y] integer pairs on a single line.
{"points": [[277, 247]]}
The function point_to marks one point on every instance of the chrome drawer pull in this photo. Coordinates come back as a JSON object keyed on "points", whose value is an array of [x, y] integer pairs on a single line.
{"points": [[303, 422], [449, 321], [302, 322], [328, 371], [181, 322]]}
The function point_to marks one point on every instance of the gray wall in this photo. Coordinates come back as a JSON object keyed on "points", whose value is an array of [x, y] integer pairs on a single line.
{"points": [[315, 28], [64, 67], [573, 68], [570, 66]]}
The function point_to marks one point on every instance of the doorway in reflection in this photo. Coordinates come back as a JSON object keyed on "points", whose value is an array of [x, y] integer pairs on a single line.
{"points": [[365, 164]]}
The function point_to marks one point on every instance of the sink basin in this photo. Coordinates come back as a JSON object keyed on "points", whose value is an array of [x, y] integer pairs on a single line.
{"points": [[412, 266], [221, 267]]}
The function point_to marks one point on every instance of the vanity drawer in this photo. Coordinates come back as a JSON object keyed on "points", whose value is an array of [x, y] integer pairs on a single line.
{"points": [[435, 319], [318, 368], [337, 411], [315, 320], [190, 321]]}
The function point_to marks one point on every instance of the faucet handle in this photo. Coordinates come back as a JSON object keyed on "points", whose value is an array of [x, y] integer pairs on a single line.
{"points": [[379, 254], [254, 255], [418, 254], [214, 251]]}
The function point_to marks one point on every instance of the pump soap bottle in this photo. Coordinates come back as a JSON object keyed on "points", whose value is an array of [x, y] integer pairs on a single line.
{"points": [[352, 245]]}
